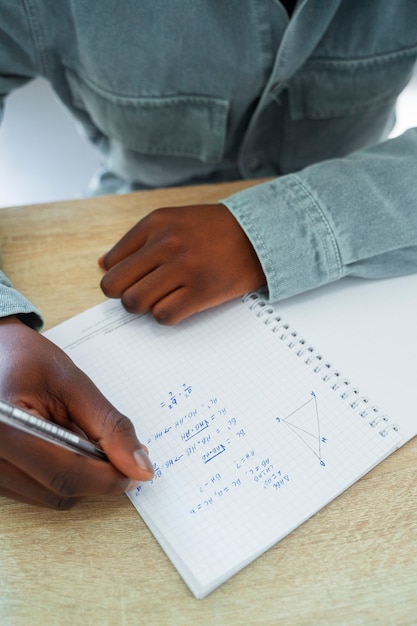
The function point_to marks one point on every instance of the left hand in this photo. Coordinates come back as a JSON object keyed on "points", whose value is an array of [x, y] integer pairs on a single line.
{"points": [[181, 260]]}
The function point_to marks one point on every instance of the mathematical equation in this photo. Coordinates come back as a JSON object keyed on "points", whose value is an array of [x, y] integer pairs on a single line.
{"points": [[174, 397], [208, 432], [263, 473]]}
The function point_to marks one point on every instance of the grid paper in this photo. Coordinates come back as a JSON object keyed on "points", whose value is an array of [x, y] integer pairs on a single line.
{"points": [[246, 439]]}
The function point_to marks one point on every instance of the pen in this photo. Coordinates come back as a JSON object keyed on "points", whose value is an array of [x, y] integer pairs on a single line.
{"points": [[23, 420]]}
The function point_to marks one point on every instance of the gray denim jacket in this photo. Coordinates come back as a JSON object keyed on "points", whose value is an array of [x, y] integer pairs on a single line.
{"points": [[185, 91]]}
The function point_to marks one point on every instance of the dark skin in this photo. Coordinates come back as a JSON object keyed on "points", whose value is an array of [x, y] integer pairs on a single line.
{"points": [[38, 376], [175, 262], [181, 260]]}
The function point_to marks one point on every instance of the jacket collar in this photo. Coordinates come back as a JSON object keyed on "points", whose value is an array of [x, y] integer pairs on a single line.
{"points": [[309, 22]]}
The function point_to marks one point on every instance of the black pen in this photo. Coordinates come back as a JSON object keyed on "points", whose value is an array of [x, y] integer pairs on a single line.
{"points": [[48, 431]]}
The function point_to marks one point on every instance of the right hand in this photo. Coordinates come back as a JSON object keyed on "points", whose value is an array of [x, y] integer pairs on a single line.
{"points": [[39, 377]]}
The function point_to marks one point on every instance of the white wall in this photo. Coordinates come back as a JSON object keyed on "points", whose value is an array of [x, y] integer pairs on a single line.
{"points": [[42, 156]]}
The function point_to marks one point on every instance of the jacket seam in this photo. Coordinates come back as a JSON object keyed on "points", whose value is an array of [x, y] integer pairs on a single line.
{"points": [[324, 241], [35, 31]]}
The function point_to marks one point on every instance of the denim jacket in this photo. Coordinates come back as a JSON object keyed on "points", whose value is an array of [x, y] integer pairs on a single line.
{"points": [[178, 92]]}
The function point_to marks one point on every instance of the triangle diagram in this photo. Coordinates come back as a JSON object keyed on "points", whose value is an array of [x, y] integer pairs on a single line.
{"points": [[304, 422]]}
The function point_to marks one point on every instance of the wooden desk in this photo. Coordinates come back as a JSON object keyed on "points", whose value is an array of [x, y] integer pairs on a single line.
{"points": [[355, 562]]}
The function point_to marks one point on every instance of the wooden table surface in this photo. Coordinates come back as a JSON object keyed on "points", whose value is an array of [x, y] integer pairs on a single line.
{"points": [[355, 562]]}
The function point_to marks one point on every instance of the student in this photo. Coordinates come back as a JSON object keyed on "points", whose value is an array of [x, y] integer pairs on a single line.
{"points": [[191, 91]]}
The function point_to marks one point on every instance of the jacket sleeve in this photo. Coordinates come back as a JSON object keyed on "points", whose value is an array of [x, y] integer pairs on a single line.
{"points": [[13, 303], [354, 216], [17, 67]]}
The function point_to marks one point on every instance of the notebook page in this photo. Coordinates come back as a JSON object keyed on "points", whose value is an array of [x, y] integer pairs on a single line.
{"points": [[369, 329], [247, 441]]}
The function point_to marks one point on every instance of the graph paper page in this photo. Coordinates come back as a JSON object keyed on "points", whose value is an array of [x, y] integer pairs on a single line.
{"points": [[247, 440]]}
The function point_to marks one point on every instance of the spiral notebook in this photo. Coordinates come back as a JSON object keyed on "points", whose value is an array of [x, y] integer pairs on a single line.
{"points": [[250, 430]]}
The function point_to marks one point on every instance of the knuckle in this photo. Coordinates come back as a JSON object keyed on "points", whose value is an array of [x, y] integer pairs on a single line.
{"points": [[66, 484], [166, 231], [173, 243], [117, 423], [156, 218]]}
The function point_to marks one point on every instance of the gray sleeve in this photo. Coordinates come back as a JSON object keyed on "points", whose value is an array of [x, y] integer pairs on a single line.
{"points": [[13, 303], [354, 216], [18, 59]]}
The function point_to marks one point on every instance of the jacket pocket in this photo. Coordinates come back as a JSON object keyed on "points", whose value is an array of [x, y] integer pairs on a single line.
{"points": [[333, 88], [169, 125], [338, 106]]}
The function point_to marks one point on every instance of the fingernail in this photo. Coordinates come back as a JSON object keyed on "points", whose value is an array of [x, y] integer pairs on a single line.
{"points": [[101, 262], [143, 461]]}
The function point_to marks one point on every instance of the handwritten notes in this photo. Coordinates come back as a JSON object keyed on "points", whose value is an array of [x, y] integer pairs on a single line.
{"points": [[206, 432], [247, 439]]}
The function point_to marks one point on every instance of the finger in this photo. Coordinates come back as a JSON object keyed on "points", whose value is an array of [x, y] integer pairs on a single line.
{"points": [[134, 239], [112, 430], [186, 301], [179, 305], [118, 439], [64, 473], [144, 294], [50, 500], [17, 485], [129, 271]]}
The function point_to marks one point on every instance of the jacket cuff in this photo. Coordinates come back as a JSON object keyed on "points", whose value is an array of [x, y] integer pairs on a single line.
{"points": [[13, 303], [290, 234]]}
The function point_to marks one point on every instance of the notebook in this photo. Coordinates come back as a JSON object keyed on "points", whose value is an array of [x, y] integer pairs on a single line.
{"points": [[250, 429]]}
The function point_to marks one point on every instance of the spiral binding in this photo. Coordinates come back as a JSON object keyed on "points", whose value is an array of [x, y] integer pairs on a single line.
{"points": [[268, 315]]}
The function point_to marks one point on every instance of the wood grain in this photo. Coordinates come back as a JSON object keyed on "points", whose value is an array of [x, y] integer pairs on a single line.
{"points": [[355, 562]]}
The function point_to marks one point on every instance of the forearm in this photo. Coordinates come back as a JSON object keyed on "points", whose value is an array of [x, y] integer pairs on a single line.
{"points": [[354, 216]]}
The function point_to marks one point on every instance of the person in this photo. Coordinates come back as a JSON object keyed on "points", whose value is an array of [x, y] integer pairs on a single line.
{"points": [[300, 93]]}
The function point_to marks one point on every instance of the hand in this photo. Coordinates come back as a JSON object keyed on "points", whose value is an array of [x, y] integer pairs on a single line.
{"points": [[181, 260], [38, 376]]}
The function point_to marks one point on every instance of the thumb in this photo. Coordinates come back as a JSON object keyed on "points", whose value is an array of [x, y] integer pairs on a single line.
{"points": [[111, 430], [103, 423], [122, 447]]}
